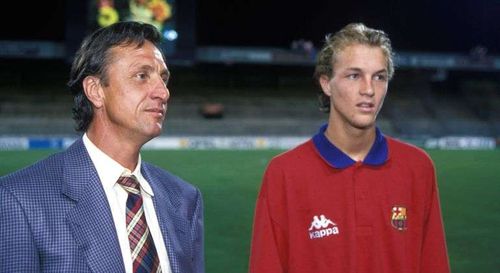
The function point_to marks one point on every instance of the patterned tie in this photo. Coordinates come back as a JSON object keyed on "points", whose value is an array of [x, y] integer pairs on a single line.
{"points": [[144, 256]]}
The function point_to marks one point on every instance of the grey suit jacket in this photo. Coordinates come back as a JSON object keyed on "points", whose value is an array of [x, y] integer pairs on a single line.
{"points": [[54, 217]]}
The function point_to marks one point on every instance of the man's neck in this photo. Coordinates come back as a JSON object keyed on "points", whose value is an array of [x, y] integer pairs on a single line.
{"points": [[354, 142], [124, 152]]}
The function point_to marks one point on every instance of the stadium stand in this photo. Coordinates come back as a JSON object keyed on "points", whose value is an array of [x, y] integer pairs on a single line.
{"points": [[259, 100]]}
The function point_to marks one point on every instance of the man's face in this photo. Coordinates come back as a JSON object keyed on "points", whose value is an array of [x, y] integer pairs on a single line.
{"points": [[358, 86], [136, 94]]}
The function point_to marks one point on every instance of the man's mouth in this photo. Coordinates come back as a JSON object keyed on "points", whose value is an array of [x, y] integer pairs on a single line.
{"points": [[366, 106], [160, 112]]}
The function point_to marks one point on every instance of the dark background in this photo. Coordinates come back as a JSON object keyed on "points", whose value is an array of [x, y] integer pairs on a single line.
{"points": [[427, 26]]}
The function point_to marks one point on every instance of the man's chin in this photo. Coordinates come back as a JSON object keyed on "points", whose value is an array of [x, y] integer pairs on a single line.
{"points": [[364, 125], [153, 132]]}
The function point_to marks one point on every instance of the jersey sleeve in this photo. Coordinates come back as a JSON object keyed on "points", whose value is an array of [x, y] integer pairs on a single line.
{"points": [[269, 244], [434, 251]]}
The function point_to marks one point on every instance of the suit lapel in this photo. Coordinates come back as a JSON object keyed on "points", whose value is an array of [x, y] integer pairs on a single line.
{"points": [[90, 219], [174, 227]]}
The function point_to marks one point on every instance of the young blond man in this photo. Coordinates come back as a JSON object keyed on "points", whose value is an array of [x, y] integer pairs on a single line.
{"points": [[350, 200]]}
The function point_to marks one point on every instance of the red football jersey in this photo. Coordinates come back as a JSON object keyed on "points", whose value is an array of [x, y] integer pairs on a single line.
{"points": [[320, 211]]}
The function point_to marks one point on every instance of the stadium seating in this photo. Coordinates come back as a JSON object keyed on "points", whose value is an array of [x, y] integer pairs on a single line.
{"points": [[280, 102]]}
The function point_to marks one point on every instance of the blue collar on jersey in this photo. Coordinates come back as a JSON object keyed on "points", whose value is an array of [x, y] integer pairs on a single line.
{"points": [[377, 155]]}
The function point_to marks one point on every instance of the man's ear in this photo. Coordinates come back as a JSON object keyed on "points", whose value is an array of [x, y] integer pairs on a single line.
{"points": [[93, 91], [324, 81]]}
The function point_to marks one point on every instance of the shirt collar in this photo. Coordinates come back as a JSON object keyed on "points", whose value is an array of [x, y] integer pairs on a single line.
{"points": [[109, 170], [377, 155]]}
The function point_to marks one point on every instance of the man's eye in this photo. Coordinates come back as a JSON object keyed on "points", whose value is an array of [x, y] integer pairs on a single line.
{"points": [[353, 76], [142, 76], [380, 77]]}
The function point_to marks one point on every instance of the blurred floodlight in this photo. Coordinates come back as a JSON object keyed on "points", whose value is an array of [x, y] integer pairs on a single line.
{"points": [[170, 34]]}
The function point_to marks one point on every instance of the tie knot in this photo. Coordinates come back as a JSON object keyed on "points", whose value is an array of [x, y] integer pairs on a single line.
{"points": [[130, 184]]}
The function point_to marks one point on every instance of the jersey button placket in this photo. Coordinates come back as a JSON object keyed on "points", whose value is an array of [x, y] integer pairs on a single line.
{"points": [[361, 195]]}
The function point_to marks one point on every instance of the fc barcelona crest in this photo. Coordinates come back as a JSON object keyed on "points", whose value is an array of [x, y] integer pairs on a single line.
{"points": [[399, 218]]}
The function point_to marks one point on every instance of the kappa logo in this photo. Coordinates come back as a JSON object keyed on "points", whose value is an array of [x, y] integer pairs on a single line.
{"points": [[322, 227]]}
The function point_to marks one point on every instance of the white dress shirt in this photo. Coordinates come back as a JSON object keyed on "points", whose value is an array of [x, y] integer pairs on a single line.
{"points": [[109, 171]]}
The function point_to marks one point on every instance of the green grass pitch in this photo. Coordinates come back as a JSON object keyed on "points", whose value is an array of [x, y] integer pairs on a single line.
{"points": [[469, 183]]}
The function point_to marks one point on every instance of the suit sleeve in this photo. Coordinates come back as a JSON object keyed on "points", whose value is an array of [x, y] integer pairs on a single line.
{"points": [[17, 247], [434, 250], [198, 238], [269, 245]]}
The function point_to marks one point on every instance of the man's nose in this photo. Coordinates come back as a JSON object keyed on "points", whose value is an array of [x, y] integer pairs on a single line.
{"points": [[366, 87], [161, 91]]}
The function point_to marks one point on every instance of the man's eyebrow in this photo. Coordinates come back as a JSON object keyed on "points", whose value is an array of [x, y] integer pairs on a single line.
{"points": [[356, 69], [382, 71], [139, 66], [163, 73]]}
